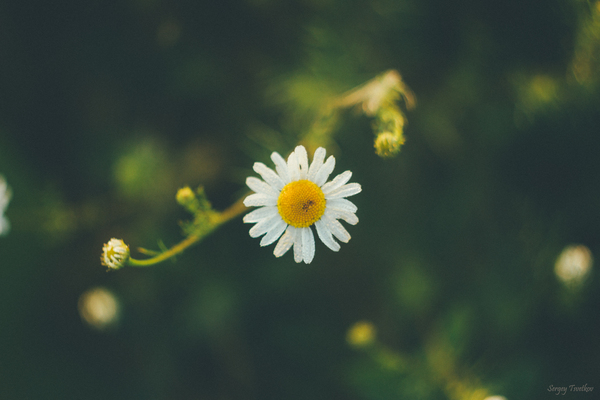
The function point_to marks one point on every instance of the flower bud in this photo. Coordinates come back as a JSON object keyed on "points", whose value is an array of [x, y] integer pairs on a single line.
{"points": [[115, 254], [387, 144], [185, 196]]}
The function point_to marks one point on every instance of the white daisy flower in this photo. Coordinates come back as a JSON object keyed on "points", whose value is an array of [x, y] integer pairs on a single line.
{"points": [[5, 195], [297, 197]]}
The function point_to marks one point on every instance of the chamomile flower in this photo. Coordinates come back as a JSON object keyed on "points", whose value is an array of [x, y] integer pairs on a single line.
{"points": [[115, 254], [297, 197], [5, 195]]}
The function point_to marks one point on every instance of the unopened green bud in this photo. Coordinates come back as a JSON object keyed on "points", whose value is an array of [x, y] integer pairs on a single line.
{"points": [[186, 197]]}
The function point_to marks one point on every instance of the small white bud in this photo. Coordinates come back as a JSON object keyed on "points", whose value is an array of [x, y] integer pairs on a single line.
{"points": [[115, 254]]}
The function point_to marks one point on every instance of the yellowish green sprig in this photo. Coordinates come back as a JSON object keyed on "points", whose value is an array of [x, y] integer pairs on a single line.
{"points": [[379, 98], [206, 219], [438, 365], [197, 204], [585, 64], [387, 144], [389, 130]]}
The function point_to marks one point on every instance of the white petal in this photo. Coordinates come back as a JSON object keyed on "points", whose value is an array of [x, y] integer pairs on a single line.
{"points": [[281, 167], [336, 228], [308, 245], [261, 187], [285, 243], [337, 182], [325, 235], [264, 226], [324, 171], [268, 175], [275, 231], [317, 163], [259, 214], [260, 199], [302, 161], [347, 190], [293, 167], [347, 216], [298, 245], [342, 205]]}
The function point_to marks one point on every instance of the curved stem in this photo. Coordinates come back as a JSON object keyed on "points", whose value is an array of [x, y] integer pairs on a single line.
{"points": [[178, 248], [233, 211]]}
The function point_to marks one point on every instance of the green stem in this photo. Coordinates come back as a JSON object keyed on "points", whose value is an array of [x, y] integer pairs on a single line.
{"points": [[233, 211]]}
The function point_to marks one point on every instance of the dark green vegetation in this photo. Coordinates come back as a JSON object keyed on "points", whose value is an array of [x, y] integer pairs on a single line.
{"points": [[108, 107]]}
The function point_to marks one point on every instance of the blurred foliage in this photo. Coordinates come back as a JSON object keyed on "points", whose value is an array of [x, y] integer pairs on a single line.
{"points": [[108, 107]]}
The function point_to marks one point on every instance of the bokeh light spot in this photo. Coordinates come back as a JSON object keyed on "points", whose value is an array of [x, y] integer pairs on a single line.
{"points": [[361, 334], [99, 308], [573, 265]]}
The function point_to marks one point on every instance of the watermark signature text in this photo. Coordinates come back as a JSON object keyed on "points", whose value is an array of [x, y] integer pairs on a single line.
{"points": [[571, 388]]}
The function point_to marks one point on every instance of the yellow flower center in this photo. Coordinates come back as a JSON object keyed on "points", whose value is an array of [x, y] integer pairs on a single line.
{"points": [[301, 203]]}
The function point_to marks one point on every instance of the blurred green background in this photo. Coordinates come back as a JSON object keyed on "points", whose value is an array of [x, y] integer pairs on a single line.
{"points": [[108, 107]]}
